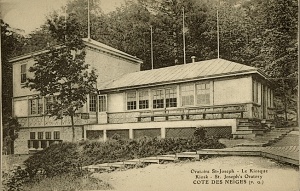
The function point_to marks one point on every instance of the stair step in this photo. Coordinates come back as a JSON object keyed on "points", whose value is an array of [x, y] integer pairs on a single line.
{"points": [[167, 157], [150, 160], [244, 136], [193, 155]]}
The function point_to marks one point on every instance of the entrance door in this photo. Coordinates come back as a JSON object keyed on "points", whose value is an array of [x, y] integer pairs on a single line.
{"points": [[102, 109]]}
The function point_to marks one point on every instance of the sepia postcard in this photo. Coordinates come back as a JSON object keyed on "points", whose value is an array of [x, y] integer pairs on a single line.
{"points": [[149, 95]]}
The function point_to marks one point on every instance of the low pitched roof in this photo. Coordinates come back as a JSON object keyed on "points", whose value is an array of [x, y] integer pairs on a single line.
{"points": [[188, 72], [90, 43], [98, 45]]}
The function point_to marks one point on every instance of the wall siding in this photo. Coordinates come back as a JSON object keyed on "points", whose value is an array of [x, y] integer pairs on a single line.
{"points": [[232, 91]]}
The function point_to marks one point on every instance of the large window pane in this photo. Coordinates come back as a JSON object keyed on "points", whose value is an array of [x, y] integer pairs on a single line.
{"points": [[203, 93], [158, 99], [171, 97], [23, 73], [102, 103], [35, 106], [143, 99], [32, 135], [40, 135], [131, 100], [187, 94], [56, 135], [93, 103]]}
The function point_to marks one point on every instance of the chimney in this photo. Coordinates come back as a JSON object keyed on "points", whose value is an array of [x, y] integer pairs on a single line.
{"points": [[193, 59]]}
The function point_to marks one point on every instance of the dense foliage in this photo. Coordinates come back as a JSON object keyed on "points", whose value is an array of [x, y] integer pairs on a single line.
{"points": [[10, 43], [70, 157]]}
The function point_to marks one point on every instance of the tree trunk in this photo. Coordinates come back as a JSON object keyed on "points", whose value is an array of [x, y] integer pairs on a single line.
{"points": [[73, 128]]}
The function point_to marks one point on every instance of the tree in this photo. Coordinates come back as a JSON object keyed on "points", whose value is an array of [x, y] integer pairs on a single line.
{"points": [[10, 43], [10, 131], [62, 72]]}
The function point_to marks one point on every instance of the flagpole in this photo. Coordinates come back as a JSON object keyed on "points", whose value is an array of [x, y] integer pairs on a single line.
{"points": [[218, 35], [183, 36], [151, 48], [89, 30]]}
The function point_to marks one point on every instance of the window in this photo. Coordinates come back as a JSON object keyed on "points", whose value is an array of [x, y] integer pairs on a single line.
{"points": [[143, 99], [32, 135], [93, 103], [255, 91], [36, 106], [158, 99], [171, 97], [187, 94], [102, 103], [40, 135], [131, 100], [48, 135], [203, 93], [56, 135], [48, 103], [23, 73]]}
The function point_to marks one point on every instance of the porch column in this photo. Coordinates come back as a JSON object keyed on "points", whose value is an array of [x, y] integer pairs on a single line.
{"points": [[30, 144], [84, 133], [163, 132], [104, 135], [250, 110], [130, 133], [40, 144]]}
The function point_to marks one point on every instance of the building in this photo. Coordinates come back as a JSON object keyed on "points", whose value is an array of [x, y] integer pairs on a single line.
{"points": [[224, 97], [39, 130]]}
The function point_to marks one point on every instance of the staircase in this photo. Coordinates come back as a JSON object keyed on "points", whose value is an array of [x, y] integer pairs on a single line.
{"points": [[249, 128]]}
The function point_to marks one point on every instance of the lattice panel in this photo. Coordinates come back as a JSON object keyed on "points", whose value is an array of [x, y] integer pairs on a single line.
{"points": [[195, 117], [124, 133], [50, 121], [180, 132], [36, 121], [233, 115], [256, 112], [218, 131], [123, 117], [23, 122], [146, 132], [94, 134]]}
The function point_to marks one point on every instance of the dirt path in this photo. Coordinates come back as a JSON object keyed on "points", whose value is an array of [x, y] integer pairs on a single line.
{"points": [[266, 175]]}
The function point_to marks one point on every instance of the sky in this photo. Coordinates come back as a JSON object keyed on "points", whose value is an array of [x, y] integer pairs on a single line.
{"points": [[28, 15]]}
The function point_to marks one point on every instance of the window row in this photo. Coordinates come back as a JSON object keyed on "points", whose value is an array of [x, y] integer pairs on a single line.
{"points": [[36, 105], [261, 94], [168, 97], [44, 135], [102, 103]]}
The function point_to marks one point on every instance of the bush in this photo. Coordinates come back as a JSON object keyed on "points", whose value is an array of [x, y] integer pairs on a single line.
{"points": [[57, 159], [68, 158], [67, 181], [15, 179]]}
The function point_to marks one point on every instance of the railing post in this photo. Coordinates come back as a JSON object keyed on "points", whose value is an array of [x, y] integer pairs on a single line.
{"points": [[163, 132], [131, 134], [104, 135]]}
